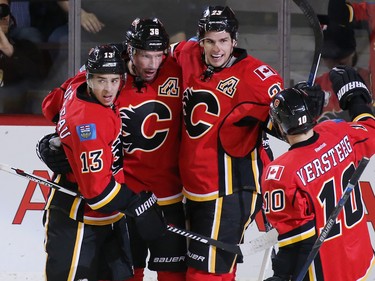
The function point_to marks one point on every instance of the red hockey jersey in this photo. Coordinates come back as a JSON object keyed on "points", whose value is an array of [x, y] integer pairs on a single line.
{"points": [[151, 129], [90, 134], [151, 126], [221, 137], [302, 187]]}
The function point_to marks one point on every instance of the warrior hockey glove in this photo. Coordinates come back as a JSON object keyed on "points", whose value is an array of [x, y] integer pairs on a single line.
{"points": [[148, 216], [50, 151], [316, 98], [347, 84]]}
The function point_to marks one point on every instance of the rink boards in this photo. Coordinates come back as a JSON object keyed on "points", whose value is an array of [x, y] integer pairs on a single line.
{"points": [[22, 256]]}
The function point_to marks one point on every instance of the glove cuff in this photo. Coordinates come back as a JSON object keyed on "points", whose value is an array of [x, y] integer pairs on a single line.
{"points": [[358, 106], [145, 205]]}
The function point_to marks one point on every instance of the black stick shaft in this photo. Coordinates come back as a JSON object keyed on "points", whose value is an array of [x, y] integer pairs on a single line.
{"points": [[206, 240], [313, 20], [332, 218]]}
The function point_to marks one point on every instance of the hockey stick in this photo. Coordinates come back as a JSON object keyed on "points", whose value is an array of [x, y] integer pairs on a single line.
{"points": [[256, 245], [269, 253], [38, 180], [331, 220], [318, 36]]}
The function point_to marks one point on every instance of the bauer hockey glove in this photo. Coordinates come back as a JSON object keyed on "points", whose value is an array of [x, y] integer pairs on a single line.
{"points": [[50, 151], [347, 84], [149, 218]]}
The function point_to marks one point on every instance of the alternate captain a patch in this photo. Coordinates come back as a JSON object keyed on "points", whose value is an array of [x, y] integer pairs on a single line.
{"points": [[86, 132], [274, 172]]}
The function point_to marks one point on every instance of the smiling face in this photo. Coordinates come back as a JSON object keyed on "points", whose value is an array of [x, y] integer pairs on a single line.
{"points": [[105, 87], [147, 63], [218, 46]]}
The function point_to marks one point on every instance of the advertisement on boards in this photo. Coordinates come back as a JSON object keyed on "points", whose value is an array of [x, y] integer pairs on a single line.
{"points": [[21, 211]]}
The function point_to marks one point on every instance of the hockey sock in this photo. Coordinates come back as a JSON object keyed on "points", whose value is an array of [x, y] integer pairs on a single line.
{"points": [[168, 276]]}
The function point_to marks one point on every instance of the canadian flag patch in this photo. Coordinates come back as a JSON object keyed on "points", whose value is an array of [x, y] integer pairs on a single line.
{"points": [[274, 172], [264, 72]]}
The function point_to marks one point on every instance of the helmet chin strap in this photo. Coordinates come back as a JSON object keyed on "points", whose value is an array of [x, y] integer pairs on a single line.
{"points": [[280, 132], [207, 74], [91, 95], [138, 81]]}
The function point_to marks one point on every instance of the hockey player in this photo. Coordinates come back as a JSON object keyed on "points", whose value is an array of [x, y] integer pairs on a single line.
{"points": [[302, 186], [150, 108], [87, 236], [226, 97]]}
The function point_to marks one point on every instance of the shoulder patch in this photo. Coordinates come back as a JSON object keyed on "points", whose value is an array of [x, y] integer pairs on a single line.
{"points": [[86, 132], [264, 71], [274, 172]]}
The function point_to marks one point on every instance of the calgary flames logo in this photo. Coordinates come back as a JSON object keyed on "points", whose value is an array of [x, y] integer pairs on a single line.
{"points": [[143, 126]]}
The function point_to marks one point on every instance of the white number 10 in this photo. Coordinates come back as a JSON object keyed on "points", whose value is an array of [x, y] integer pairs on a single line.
{"points": [[302, 120]]}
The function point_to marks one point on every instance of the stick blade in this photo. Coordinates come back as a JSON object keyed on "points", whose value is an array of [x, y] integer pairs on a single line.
{"points": [[6, 168], [260, 243]]}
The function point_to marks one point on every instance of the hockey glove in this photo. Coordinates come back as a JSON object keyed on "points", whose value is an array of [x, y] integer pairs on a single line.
{"points": [[148, 216], [316, 98], [50, 151], [347, 84]]}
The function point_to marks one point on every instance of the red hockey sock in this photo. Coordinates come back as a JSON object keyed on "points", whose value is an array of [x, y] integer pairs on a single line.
{"points": [[138, 275], [199, 275], [168, 276]]}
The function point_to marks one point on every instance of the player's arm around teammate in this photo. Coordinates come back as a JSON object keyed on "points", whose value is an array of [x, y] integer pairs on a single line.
{"points": [[226, 97], [150, 107], [87, 236]]}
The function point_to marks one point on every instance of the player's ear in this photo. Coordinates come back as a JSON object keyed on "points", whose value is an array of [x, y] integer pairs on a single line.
{"points": [[234, 42]]}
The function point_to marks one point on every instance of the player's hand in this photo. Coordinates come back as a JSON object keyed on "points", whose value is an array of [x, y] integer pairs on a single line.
{"points": [[50, 151], [316, 97], [347, 84], [148, 216]]}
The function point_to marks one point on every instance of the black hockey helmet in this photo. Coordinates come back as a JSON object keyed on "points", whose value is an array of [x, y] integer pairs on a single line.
{"points": [[289, 109], [105, 59], [147, 34], [218, 18]]}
